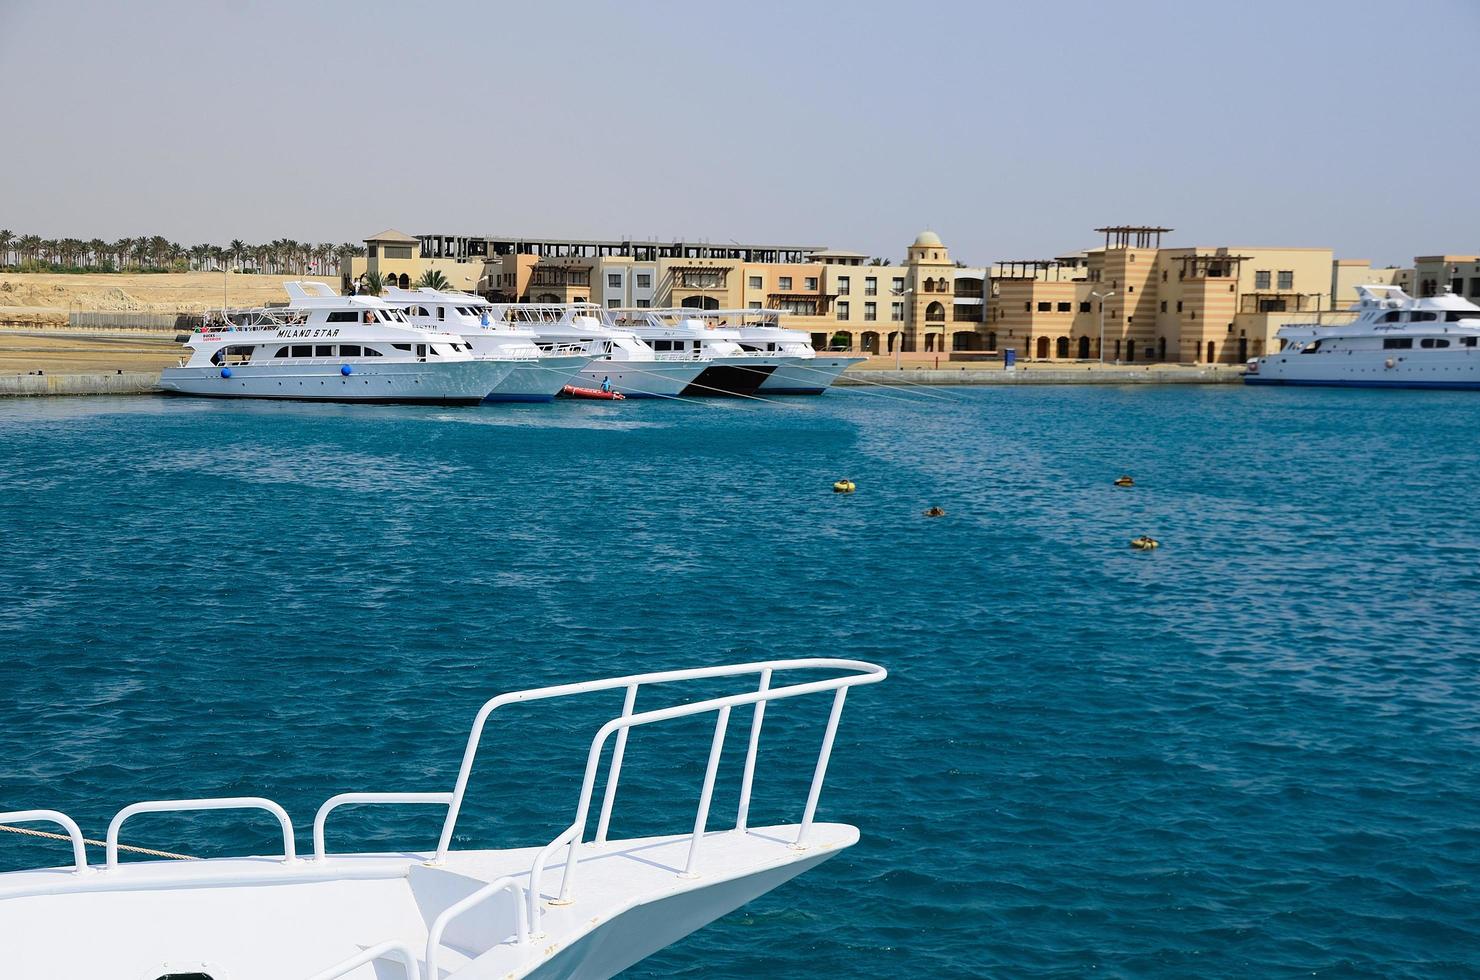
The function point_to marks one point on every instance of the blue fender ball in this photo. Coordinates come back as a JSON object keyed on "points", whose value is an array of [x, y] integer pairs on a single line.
{"points": [[226, 372], [345, 370]]}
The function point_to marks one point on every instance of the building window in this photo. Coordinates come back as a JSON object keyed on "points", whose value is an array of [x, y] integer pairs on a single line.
{"points": [[1287, 280], [785, 283], [644, 280], [614, 280], [1130, 289], [843, 310], [1261, 279], [612, 304], [1065, 307], [898, 285], [870, 311], [1084, 307], [843, 286], [871, 286], [896, 311], [398, 251], [755, 304], [1044, 307], [370, 251], [1179, 306], [645, 303], [755, 282], [809, 283]]}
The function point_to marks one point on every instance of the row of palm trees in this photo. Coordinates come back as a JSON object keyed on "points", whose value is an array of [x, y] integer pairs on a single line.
{"points": [[158, 254]]}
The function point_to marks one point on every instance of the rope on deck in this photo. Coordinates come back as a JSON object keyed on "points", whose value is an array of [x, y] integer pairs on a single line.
{"points": [[97, 843]]}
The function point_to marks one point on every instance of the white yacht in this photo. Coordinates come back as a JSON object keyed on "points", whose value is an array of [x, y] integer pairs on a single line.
{"points": [[622, 363], [582, 904], [805, 372], [1395, 341], [327, 347], [539, 373], [685, 334]]}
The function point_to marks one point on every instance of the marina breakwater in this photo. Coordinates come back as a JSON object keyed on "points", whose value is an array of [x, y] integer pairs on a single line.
{"points": [[1056, 375], [93, 383]]}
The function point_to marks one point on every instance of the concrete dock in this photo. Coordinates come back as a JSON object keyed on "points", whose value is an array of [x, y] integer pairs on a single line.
{"points": [[93, 383], [1046, 374]]}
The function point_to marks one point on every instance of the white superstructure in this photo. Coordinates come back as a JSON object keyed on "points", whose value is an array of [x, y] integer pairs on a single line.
{"points": [[580, 905], [327, 347], [538, 373], [685, 334], [621, 360], [1395, 341]]}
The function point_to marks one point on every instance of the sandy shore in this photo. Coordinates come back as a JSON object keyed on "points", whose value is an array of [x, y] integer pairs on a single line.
{"points": [[64, 352], [44, 299]]}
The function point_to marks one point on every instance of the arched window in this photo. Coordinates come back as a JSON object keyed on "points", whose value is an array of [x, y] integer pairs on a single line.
{"points": [[935, 313], [1084, 348], [991, 341], [547, 298], [1063, 348], [1043, 348], [1161, 349], [405, 281], [1130, 350], [1211, 351]]}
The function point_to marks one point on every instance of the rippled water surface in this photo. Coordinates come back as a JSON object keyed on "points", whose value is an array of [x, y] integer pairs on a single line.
{"points": [[1254, 751]]}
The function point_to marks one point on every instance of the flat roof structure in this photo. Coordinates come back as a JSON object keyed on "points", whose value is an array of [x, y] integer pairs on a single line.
{"points": [[439, 246]]}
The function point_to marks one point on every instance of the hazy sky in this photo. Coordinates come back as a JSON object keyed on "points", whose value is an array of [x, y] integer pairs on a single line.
{"points": [[1012, 129]]}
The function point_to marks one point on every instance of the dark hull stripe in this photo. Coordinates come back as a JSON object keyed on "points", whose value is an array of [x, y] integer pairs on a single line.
{"points": [[727, 379], [1433, 385], [792, 391]]}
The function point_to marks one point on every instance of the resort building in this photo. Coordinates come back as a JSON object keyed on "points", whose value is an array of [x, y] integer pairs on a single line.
{"points": [[1129, 300]]}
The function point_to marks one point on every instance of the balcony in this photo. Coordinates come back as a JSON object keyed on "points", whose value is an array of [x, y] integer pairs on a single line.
{"points": [[700, 277], [1281, 302], [558, 276]]}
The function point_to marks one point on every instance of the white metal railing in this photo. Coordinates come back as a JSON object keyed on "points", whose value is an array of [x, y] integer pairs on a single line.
{"points": [[440, 923], [398, 951], [177, 806], [74, 833], [354, 799], [858, 672]]}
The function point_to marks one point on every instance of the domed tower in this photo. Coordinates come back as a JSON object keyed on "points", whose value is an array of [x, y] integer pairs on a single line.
{"points": [[931, 279]]}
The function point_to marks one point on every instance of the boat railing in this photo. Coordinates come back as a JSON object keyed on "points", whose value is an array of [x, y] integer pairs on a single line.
{"points": [[360, 799], [854, 673], [74, 833], [400, 952], [179, 806]]}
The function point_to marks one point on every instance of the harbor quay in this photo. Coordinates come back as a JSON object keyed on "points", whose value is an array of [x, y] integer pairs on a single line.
{"points": [[1129, 309]]}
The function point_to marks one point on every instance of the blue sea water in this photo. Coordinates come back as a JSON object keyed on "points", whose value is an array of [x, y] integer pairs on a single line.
{"points": [[1254, 751]]}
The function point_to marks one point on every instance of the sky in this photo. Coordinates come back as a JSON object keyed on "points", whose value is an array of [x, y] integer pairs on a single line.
{"points": [[1011, 129]]}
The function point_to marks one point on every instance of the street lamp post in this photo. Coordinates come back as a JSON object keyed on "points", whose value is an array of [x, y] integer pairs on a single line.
{"points": [[1102, 297], [900, 346]]}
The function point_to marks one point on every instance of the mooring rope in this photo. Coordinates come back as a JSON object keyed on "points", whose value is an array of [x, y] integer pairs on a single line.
{"points": [[97, 843]]}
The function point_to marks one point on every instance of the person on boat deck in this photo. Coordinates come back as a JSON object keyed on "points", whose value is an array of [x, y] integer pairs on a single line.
{"points": [[606, 383], [369, 316]]}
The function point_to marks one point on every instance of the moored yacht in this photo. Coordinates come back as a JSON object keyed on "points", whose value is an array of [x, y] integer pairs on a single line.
{"points": [[685, 334], [538, 373], [327, 347], [622, 362], [804, 372], [1395, 341], [584, 904]]}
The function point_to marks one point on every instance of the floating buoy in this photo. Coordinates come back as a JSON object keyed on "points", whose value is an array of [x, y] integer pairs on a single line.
{"points": [[1145, 543], [844, 486], [226, 372], [571, 391], [1124, 481], [935, 512], [346, 370]]}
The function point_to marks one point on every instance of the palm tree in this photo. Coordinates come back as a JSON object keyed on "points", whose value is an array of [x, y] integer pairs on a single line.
{"points": [[433, 279], [121, 249], [7, 241], [99, 250], [28, 246], [372, 284], [237, 248]]}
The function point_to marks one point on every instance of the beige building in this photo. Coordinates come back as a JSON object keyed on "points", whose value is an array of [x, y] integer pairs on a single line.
{"points": [[1152, 303], [1433, 275]]}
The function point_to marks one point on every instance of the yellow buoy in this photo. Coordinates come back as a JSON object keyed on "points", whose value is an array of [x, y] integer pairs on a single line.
{"points": [[935, 512], [844, 486], [1124, 481], [1145, 543]]}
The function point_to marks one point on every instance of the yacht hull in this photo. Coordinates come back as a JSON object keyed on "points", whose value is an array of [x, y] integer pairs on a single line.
{"points": [[643, 379], [538, 380], [733, 377], [450, 382], [1451, 369], [806, 375]]}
